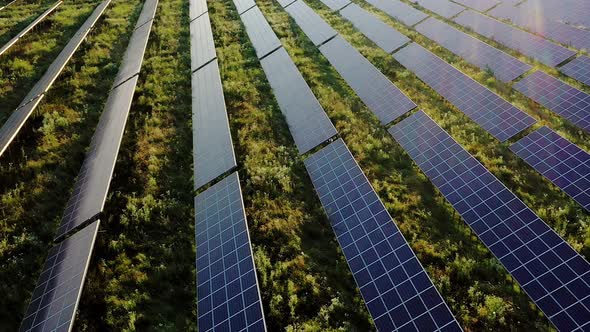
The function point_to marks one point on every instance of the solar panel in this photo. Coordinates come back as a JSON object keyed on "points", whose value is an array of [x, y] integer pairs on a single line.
{"points": [[571, 12], [213, 151], [197, 8], [480, 5], [383, 98], [400, 11], [559, 160], [243, 5], [202, 46], [553, 274], [443, 8], [504, 67], [15, 122], [335, 5], [8, 4], [261, 35], [133, 58], [311, 23], [308, 123], [227, 288], [557, 96], [579, 69], [494, 114], [397, 291], [59, 287], [376, 30], [148, 12], [528, 44], [286, 3]]}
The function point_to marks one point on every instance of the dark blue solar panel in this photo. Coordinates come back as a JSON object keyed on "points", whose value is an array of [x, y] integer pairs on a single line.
{"points": [[579, 69], [227, 288], [557, 96], [490, 111], [553, 274], [397, 291], [559, 160], [574, 12], [399, 11], [526, 43], [443, 8], [505, 67]]}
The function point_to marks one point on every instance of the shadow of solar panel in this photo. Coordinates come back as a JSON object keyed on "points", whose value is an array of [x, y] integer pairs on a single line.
{"points": [[376, 30], [243, 5], [213, 151], [553, 274], [308, 123], [557, 96], [261, 35], [56, 295], [313, 25], [202, 46], [480, 5], [443, 8], [227, 288], [400, 11], [579, 69], [504, 67], [559, 160], [197, 8], [494, 114], [570, 12], [383, 98], [335, 5], [528, 44], [397, 291]]}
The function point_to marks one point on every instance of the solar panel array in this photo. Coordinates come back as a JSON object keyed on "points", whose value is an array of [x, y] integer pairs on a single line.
{"points": [[397, 291], [227, 288], [559, 160], [443, 8], [494, 114], [557, 96], [59, 287], [335, 5], [261, 35], [573, 12], [528, 44], [317, 29], [399, 11], [579, 69], [308, 123], [553, 274], [480, 5], [376, 30], [505, 67]]}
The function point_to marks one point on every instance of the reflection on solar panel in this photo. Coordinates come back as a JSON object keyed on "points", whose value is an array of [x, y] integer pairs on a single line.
{"points": [[481, 5], [202, 46], [503, 66], [376, 30], [443, 8], [528, 44], [383, 98], [213, 151], [227, 288], [307, 121], [335, 5], [56, 295], [18, 118], [314, 26], [557, 96], [399, 11], [494, 114], [562, 162], [261, 35], [29, 27], [553, 274], [568, 11], [559, 32], [397, 291], [579, 69], [197, 8], [243, 5]]}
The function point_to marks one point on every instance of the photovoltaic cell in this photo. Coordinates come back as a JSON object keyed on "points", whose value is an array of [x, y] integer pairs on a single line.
{"points": [[197, 8], [553, 274], [314, 26], [557, 96], [400, 11], [573, 12], [480, 5], [397, 291], [579, 69], [202, 46], [376, 30], [443, 8], [559, 160], [260, 32], [528, 44], [227, 288], [504, 67], [213, 151], [243, 5], [383, 98], [494, 114], [59, 287], [308, 123], [335, 5]]}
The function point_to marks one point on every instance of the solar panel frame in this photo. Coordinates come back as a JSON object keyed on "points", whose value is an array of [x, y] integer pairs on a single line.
{"points": [[443, 8], [479, 5], [559, 97], [399, 11], [228, 296], [309, 21], [244, 5], [549, 270], [494, 114], [560, 161], [395, 287], [202, 45], [335, 5], [578, 69], [381, 96], [197, 8], [261, 35], [308, 123]]}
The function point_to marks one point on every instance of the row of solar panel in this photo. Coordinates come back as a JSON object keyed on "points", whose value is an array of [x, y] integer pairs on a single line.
{"points": [[58, 290]]}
